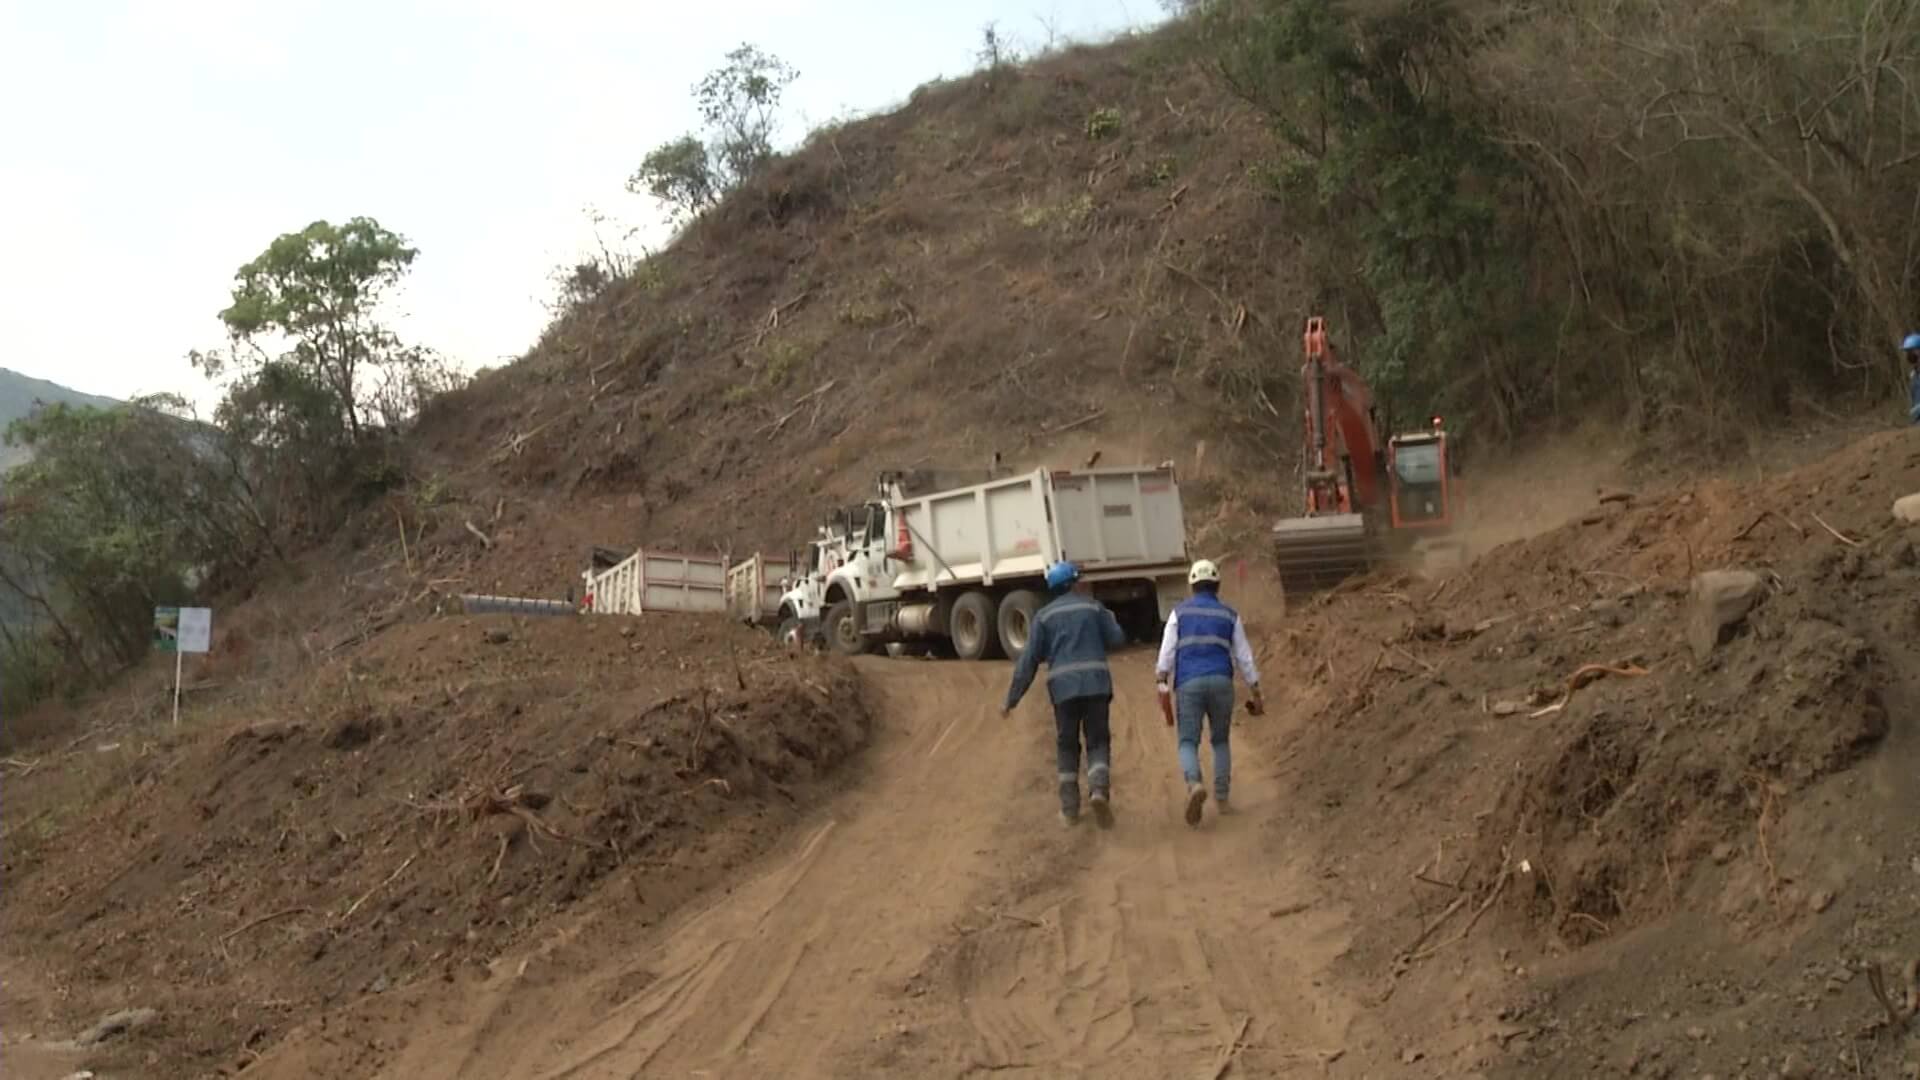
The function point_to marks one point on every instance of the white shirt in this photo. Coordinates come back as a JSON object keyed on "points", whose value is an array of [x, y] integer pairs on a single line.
{"points": [[1242, 651]]}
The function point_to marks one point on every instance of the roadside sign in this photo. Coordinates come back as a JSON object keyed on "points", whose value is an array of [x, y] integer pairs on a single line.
{"points": [[196, 630], [182, 630]]}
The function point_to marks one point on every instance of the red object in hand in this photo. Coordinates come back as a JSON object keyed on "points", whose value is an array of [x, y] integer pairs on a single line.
{"points": [[1166, 704]]}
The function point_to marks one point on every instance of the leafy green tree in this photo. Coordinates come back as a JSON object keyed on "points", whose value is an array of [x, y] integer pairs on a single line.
{"points": [[739, 105], [118, 510], [310, 303], [679, 173], [1373, 135]]}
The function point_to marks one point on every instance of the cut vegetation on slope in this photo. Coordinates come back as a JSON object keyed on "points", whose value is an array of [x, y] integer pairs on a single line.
{"points": [[417, 808]]}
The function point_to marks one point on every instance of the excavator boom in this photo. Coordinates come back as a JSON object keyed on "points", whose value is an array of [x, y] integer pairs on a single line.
{"points": [[1365, 497], [1335, 537]]}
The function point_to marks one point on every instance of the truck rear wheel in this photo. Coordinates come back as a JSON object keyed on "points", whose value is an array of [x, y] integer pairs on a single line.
{"points": [[843, 630], [972, 627], [1017, 609]]}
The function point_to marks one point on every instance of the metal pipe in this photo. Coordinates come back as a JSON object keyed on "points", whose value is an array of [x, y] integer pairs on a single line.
{"points": [[514, 605]]}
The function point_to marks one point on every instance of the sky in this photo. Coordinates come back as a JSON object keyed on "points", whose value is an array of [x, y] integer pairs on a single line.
{"points": [[148, 149]]}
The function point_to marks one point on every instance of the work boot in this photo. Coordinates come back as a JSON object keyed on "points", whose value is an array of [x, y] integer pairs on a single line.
{"points": [[1069, 819], [1102, 809], [1196, 799], [1221, 805]]}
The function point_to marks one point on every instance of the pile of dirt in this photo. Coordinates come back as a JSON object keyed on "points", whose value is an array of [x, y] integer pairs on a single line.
{"points": [[1572, 750], [415, 807]]}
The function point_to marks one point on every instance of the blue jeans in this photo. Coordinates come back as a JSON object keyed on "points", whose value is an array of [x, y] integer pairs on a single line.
{"points": [[1072, 718], [1209, 697]]}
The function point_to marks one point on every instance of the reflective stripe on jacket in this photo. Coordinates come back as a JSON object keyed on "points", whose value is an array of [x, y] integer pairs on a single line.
{"points": [[1071, 635], [1205, 639]]}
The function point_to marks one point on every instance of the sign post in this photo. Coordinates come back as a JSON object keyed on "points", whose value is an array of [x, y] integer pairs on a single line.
{"points": [[181, 631]]}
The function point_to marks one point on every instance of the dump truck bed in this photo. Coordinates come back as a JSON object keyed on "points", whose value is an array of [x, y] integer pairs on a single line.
{"points": [[1112, 522], [649, 581]]}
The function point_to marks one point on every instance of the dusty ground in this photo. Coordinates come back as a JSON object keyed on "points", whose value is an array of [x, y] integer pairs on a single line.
{"points": [[413, 810], [1435, 871], [935, 922]]}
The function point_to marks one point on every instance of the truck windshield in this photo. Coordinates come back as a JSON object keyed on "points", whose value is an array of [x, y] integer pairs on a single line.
{"points": [[1417, 463]]}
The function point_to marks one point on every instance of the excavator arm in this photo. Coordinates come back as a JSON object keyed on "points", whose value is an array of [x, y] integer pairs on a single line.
{"points": [[1343, 451], [1342, 463]]}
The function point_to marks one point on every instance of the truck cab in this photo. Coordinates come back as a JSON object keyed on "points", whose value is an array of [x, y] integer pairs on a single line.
{"points": [[804, 598], [861, 572]]}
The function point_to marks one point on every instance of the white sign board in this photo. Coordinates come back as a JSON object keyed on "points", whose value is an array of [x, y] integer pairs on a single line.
{"points": [[196, 630]]}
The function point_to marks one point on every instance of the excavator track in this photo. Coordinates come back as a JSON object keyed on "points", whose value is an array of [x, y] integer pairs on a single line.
{"points": [[1316, 553]]}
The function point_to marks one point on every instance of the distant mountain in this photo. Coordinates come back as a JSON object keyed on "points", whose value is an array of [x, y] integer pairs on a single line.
{"points": [[18, 396]]}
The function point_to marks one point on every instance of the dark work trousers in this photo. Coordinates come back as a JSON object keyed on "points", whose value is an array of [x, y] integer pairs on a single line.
{"points": [[1071, 719]]}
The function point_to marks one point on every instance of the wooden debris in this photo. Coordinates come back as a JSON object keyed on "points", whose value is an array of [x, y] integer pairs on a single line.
{"points": [[1764, 515], [1583, 675], [368, 895], [1233, 1048], [1837, 534], [261, 921], [1898, 1014], [1070, 425]]}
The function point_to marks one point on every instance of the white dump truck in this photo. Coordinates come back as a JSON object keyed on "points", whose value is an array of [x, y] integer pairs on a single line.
{"points": [[965, 565], [802, 592], [755, 589], [648, 581]]}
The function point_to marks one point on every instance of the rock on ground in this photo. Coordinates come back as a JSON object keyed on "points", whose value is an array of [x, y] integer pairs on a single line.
{"points": [[1720, 601]]}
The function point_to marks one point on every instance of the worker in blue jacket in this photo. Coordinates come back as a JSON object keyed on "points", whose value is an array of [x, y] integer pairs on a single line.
{"points": [[1911, 347], [1203, 644], [1072, 634]]}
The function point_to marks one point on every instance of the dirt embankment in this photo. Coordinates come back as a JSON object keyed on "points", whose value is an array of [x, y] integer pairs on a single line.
{"points": [[405, 814], [473, 841], [1514, 809]]}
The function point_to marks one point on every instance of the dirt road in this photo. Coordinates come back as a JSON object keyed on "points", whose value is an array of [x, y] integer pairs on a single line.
{"points": [[935, 919]]}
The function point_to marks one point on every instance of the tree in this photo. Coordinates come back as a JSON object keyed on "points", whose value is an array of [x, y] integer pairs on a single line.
{"points": [[679, 173], [319, 291], [1375, 130], [119, 509], [739, 104]]}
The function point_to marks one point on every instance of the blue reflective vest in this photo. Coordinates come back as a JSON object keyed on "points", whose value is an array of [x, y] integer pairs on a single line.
{"points": [[1204, 641]]}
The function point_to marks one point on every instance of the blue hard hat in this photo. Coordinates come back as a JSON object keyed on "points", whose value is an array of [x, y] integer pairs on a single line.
{"points": [[1912, 343], [1061, 575]]}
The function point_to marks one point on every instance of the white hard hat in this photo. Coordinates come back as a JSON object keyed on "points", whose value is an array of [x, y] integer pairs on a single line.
{"points": [[1204, 570]]}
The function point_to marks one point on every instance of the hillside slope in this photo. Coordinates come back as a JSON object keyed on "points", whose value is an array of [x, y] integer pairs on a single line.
{"points": [[386, 838], [1038, 263], [20, 394]]}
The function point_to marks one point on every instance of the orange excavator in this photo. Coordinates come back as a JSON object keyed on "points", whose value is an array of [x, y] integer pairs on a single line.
{"points": [[1366, 501]]}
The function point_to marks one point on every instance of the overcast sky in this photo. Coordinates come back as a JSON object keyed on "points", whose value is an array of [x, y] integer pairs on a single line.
{"points": [[148, 149]]}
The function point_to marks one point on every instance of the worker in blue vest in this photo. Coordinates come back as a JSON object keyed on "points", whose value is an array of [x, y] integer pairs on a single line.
{"points": [[1072, 634], [1204, 643], [1911, 346]]}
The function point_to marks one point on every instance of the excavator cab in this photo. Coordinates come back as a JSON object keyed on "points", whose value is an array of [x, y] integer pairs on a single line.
{"points": [[1420, 480]]}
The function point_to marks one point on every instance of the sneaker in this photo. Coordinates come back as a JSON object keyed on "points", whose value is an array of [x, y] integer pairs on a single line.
{"points": [[1196, 799], [1102, 810]]}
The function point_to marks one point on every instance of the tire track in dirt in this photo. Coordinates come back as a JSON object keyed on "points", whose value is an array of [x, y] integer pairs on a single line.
{"points": [[935, 920], [1147, 947], [767, 975]]}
